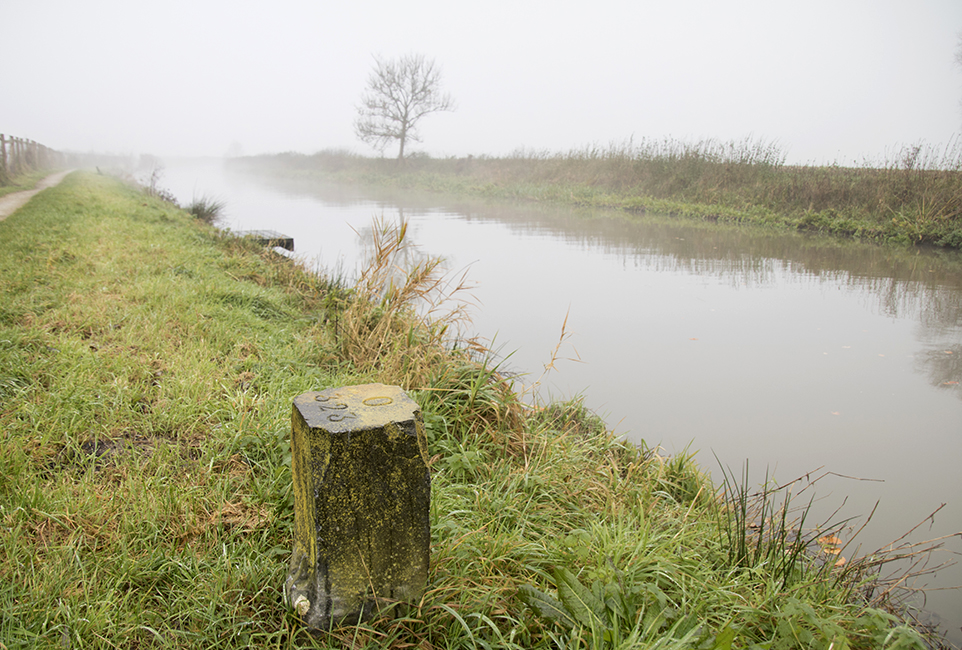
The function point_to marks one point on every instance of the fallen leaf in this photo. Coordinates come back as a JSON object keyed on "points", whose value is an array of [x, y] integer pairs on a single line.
{"points": [[829, 540], [840, 562], [692, 339], [949, 383], [948, 351], [835, 413]]}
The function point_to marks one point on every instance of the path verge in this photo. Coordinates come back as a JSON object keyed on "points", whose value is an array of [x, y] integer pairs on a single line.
{"points": [[13, 202]]}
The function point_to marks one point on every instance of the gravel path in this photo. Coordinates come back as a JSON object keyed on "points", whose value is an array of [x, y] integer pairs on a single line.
{"points": [[11, 202]]}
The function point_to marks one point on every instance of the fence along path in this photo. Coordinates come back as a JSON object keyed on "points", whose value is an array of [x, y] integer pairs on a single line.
{"points": [[20, 155]]}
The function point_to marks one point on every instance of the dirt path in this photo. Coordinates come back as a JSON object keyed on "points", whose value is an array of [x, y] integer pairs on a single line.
{"points": [[11, 202]]}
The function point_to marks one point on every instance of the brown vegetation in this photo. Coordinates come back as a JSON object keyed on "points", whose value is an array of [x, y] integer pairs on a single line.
{"points": [[913, 197]]}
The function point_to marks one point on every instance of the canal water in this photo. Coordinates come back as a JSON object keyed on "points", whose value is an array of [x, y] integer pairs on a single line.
{"points": [[801, 355]]}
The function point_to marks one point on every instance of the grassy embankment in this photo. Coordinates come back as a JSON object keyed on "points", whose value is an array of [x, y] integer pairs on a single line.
{"points": [[147, 369], [913, 198]]}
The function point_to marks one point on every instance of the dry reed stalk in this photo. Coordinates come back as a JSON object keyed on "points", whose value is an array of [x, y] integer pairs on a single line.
{"points": [[395, 324], [405, 325]]}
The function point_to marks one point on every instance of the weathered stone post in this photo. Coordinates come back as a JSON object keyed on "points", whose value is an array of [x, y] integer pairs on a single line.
{"points": [[362, 493]]}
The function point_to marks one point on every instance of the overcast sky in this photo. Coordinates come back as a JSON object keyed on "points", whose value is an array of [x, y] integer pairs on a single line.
{"points": [[828, 80]]}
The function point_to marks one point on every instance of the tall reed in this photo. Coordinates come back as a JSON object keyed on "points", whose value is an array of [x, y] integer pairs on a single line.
{"points": [[405, 324]]}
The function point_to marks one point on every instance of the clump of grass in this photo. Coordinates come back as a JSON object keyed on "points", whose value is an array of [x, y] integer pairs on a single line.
{"points": [[472, 397], [571, 416], [765, 528], [206, 209]]}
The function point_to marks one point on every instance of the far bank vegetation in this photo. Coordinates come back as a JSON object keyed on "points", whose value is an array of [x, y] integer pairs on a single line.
{"points": [[913, 196]]}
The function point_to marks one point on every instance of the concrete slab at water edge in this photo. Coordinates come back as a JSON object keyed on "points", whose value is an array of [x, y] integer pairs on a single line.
{"points": [[13, 202], [270, 238]]}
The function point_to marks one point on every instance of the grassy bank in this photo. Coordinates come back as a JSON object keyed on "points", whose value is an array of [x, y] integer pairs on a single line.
{"points": [[915, 197], [147, 369]]}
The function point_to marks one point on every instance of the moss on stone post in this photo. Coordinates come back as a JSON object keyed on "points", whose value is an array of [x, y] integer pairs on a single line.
{"points": [[362, 493]]}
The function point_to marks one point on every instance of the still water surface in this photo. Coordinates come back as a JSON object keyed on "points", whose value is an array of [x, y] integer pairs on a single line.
{"points": [[798, 354]]}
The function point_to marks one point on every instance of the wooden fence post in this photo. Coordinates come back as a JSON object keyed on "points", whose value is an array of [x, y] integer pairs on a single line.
{"points": [[3, 158], [19, 156], [362, 493]]}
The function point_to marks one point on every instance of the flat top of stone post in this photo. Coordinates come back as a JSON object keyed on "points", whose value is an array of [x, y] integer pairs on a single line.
{"points": [[354, 408]]}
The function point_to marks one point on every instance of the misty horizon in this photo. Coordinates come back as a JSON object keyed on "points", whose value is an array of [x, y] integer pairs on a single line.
{"points": [[824, 82]]}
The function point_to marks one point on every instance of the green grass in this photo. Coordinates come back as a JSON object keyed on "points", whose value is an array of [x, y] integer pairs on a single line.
{"points": [[23, 182], [914, 197], [147, 369]]}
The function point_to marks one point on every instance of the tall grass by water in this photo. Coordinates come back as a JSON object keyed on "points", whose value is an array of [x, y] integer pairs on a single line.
{"points": [[207, 209], [147, 368], [913, 196]]}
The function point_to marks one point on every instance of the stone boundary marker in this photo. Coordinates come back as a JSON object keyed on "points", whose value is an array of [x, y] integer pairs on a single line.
{"points": [[362, 492]]}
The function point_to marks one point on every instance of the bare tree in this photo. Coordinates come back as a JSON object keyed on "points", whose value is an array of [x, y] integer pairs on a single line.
{"points": [[399, 93]]}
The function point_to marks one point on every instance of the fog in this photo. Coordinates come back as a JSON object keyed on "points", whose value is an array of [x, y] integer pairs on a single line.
{"points": [[828, 81]]}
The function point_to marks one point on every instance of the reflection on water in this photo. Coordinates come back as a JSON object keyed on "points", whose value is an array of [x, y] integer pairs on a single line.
{"points": [[794, 352]]}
